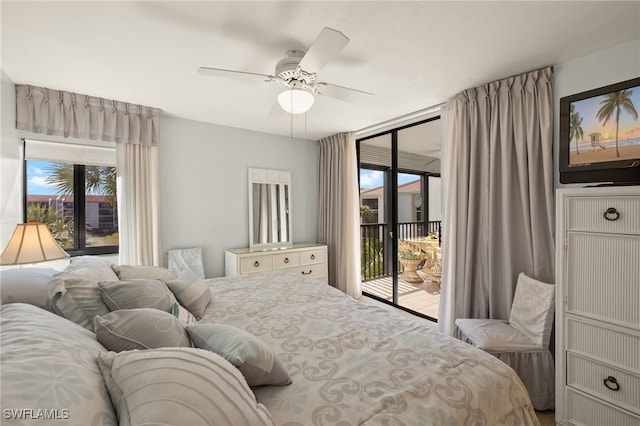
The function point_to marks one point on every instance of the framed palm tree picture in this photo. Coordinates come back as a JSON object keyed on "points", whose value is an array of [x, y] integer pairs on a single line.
{"points": [[600, 135]]}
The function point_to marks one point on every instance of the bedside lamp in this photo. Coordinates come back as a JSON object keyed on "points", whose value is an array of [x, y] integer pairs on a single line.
{"points": [[31, 243]]}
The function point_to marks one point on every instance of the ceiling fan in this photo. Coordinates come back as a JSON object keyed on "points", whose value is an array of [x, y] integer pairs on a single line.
{"points": [[297, 72]]}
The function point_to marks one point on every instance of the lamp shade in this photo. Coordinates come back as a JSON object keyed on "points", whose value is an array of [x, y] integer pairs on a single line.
{"points": [[30, 243], [295, 101]]}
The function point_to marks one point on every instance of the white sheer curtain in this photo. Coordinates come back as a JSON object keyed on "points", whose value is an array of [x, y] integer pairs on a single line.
{"points": [[139, 204], [498, 195], [339, 211], [136, 131]]}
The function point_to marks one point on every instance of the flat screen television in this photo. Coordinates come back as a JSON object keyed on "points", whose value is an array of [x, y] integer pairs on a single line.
{"points": [[600, 135]]}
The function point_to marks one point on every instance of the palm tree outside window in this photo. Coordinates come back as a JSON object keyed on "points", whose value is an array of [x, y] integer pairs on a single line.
{"points": [[77, 202]]}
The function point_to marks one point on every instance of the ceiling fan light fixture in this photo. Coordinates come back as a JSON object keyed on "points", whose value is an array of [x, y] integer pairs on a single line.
{"points": [[296, 101]]}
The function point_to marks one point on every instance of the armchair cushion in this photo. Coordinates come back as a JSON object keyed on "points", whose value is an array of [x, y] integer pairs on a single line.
{"points": [[494, 336]]}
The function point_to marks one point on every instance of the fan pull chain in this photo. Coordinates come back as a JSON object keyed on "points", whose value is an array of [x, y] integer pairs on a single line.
{"points": [[291, 117]]}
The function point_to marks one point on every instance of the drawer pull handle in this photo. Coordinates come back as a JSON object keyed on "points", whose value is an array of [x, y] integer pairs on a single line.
{"points": [[313, 256], [612, 214], [256, 264], [307, 273], [611, 383], [286, 260]]}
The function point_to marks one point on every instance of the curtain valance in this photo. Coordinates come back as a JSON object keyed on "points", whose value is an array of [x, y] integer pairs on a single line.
{"points": [[68, 114]]}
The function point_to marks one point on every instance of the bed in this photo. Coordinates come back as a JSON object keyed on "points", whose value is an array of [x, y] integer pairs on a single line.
{"points": [[349, 362]]}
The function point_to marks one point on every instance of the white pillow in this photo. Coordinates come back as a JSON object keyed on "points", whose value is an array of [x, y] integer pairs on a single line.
{"points": [[179, 386], [533, 308]]}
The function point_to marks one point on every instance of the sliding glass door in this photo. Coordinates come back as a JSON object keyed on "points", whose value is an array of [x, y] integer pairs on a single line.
{"points": [[400, 217]]}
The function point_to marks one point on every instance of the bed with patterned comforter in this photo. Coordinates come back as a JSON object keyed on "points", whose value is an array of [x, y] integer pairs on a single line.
{"points": [[355, 363], [349, 362]]}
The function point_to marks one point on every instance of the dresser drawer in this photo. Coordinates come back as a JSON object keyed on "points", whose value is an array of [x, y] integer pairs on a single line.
{"points": [[311, 257], [583, 410], [251, 264], [286, 260], [610, 346], [589, 376], [315, 271], [588, 214]]}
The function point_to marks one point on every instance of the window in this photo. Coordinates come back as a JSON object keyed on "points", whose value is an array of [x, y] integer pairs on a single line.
{"points": [[369, 210], [76, 201]]}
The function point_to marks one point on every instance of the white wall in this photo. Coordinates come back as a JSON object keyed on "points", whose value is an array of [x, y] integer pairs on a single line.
{"points": [[602, 68], [204, 185], [10, 162]]}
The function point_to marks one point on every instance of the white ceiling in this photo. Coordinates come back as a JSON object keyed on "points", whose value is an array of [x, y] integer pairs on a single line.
{"points": [[412, 55]]}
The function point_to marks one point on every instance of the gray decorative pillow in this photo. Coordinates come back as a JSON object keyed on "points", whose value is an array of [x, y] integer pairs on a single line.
{"points": [[254, 358], [138, 293], [143, 328], [26, 285], [192, 293], [179, 386], [74, 292], [129, 272]]}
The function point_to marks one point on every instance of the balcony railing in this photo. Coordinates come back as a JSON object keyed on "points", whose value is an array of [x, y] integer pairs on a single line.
{"points": [[375, 245]]}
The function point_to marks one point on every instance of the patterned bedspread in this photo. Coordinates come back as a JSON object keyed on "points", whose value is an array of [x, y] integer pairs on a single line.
{"points": [[355, 363]]}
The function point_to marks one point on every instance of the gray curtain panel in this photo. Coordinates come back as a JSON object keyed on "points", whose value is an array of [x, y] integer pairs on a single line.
{"points": [[339, 211], [498, 195]]}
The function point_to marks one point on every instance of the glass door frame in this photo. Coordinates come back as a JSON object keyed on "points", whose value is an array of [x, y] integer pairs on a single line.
{"points": [[391, 205]]}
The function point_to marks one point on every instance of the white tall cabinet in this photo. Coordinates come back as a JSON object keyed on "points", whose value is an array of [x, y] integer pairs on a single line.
{"points": [[598, 306]]}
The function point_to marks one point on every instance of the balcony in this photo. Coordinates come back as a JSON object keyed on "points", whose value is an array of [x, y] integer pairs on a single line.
{"points": [[420, 294]]}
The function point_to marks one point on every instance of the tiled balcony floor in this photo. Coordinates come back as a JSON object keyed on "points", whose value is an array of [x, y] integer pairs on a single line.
{"points": [[423, 298]]}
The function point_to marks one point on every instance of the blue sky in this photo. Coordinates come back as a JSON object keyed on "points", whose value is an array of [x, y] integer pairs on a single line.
{"points": [[588, 109], [36, 175], [374, 178]]}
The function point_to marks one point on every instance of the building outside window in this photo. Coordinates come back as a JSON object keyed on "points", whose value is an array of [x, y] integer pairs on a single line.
{"points": [[76, 201]]}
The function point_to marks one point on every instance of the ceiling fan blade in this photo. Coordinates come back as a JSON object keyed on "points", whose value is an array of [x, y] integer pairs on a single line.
{"points": [[328, 44], [342, 93], [219, 72]]}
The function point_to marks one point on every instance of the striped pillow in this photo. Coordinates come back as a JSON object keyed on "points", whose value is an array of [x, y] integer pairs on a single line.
{"points": [[179, 386], [192, 292]]}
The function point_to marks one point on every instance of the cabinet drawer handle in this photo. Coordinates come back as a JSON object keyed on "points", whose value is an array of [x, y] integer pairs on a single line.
{"points": [[611, 383], [256, 264], [307, 273], [286, 260], [612, 214], [313, 256]]}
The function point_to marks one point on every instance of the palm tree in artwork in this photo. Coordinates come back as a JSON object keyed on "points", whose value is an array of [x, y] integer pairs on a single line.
{"points": [[612, 105], [575, 127]]}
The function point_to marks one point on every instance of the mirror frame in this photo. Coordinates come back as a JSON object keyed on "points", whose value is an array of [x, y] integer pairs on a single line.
{"points": [[267, 176]]}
